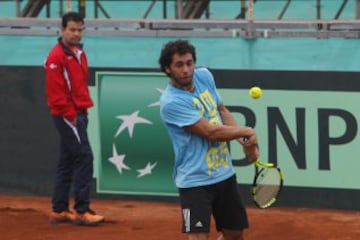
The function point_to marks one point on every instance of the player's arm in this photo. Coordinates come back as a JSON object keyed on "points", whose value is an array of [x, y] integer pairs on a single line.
{"points": [[229, 120], [215, 133], [226, 116], [57, 91], [251, 150]]}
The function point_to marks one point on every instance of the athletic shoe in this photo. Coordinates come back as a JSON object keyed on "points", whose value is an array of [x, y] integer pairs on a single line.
{"points": [[89, 218], [62, 217]]}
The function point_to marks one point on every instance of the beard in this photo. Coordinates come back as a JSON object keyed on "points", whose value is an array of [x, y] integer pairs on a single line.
{"points": [[184, 82]]}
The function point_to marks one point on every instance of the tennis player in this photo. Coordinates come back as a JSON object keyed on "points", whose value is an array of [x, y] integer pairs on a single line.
{"points": [[199, 126]]}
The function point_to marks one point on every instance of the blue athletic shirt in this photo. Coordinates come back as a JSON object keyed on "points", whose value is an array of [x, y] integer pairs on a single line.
{"points": [[198, 162]]}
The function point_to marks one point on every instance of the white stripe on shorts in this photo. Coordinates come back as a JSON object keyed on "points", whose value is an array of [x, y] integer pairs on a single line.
{"points": [[186, 217]]}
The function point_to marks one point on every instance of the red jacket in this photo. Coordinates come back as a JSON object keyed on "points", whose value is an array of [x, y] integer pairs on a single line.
{"points": [[67, 82]]}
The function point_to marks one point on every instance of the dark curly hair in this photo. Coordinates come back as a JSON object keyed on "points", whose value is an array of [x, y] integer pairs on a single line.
{"points": [[71, 16], [171, 48]]}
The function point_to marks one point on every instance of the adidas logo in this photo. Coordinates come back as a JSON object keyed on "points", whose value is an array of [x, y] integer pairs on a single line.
{"points": [[198, 224]]}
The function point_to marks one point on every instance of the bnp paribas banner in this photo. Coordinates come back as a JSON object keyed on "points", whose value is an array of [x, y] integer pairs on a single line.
{"points": [[136, 154], [307, 123]]}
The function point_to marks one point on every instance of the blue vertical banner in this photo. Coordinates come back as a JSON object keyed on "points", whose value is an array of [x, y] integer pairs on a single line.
{"points": [[136, 155]]}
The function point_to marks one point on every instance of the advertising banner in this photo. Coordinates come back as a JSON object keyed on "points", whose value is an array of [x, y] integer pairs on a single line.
{"points": [[136, 154], [310, 131]]}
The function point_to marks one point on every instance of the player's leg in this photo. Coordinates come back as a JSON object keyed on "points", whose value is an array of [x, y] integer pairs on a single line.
{"points": [[83, 168], [83, 173], [229, 211], [62, 181], [63, 174], [196, 205]]}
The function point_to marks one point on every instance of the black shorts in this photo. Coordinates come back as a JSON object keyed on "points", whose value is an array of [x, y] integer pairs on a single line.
{"points": [[222, 200]]}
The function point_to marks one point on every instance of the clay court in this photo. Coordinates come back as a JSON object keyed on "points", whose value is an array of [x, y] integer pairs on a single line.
{"points": [[26, 218]]}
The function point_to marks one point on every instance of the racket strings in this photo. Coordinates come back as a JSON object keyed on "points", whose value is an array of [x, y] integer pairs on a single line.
{"points": [[267, 186]]}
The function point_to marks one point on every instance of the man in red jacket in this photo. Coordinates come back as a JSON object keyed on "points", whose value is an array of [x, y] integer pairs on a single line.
{"points": [[68, 98]]}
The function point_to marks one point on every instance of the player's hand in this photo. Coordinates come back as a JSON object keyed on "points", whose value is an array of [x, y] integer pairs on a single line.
{"points": [[251, 152], [248, 141], [74, 121]]}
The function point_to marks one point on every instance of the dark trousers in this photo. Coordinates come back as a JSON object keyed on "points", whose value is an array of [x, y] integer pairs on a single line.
{"points": [[74, 168]]}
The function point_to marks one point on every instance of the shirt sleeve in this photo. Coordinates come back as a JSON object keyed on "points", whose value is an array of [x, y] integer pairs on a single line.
{"points": [[207, 77], [57, 90], [180, 113], [214, 89]]}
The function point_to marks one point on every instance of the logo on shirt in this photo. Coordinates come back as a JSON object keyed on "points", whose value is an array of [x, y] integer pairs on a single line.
{"points": [[218, 154], [52, 66]]}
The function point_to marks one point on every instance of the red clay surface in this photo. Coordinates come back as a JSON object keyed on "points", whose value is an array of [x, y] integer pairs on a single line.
{"points": [[26, 218]]}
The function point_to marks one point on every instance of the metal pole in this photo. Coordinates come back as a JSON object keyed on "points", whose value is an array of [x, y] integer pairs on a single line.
{"points": [[96, 8], [340, 9], [18, 11], [82, 4], [242, 13], [207, 11], [357, 9], [164, 9], [61, 9], [242, 9], [287, 4], [48, 9], [149, 9], [251, 10], [318, 9], [178, 9], [68, 6]]}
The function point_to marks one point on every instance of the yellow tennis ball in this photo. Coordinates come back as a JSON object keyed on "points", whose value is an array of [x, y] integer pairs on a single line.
{"points": [[255, 92]]}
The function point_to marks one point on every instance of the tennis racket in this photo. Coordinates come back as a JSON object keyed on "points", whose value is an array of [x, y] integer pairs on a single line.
{"points": [[267, 184]]}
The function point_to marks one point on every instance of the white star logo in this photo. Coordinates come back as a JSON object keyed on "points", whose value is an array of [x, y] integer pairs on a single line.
{"points": [[157, 103], [129, 122], [118, 160], [146, 170]]}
